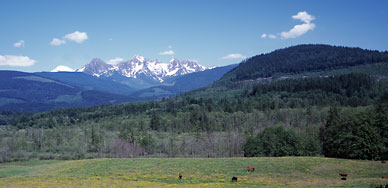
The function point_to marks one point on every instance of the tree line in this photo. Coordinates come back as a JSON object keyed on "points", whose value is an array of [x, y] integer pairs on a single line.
{"points": [[356, 134], [303, 58], [218, 124]]}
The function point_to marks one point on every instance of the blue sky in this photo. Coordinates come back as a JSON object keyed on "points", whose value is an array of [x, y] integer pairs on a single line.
{"points": [[212, 32]]}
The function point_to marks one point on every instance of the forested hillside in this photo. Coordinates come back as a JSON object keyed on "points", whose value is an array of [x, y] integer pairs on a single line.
{"points": [[192, 125], [303, 58], [88, 82], [299, 115]]}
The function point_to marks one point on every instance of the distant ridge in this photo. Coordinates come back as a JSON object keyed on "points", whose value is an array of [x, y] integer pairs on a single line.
{"points": [[303, 58], [31, 92]]}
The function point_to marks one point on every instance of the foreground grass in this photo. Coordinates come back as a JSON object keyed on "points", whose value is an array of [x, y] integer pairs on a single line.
{"points": [[270, 172]]}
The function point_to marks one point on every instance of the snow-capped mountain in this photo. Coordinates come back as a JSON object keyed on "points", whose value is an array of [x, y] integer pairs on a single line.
{"points": [[97, 67], [62, 68], [140, 67]]}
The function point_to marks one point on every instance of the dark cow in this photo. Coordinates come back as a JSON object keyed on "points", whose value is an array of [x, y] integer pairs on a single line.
{"points": [[343, 178], [234, 179], [384, 177], [180, 176], [250, 169], [343, 174]]}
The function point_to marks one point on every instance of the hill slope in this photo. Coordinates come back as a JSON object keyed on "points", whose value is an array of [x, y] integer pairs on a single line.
{"points": [[33, 92], [88, 82], [28, 92], [301, 59]]}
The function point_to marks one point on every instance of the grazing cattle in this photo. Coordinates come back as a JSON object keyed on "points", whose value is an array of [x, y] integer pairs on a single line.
{"points": [[234, 179], [343, 178], [180, 176], [250, 168], [343, 174], [384, 177], [383, 161]]}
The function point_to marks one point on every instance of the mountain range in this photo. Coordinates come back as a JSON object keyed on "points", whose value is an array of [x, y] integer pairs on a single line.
{"points": [[314, 93], [100, 83], [185, 83], [140, 72], [142, 79]]}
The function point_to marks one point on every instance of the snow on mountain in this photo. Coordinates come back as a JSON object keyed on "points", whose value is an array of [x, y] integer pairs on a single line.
{"points": [[97, 67], [140, 66], [62, 68]]}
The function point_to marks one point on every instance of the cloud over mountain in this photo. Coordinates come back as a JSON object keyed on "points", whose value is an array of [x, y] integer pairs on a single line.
{"points": [[115, 60], [17, 61], [300, 29], [234, 56], [168, 52], [77, 37], [297, 30]]}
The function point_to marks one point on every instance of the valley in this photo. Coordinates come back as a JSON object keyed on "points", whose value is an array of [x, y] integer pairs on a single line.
{"points": [[197, 172], [194, 94], [220, 120]]}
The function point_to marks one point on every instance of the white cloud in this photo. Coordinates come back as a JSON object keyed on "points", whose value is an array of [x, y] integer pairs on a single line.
{"points": [[301, 29], [115, 60], [57, 42], [298, 30], [78, 37], [272, 36], [234, 56], [304, 17], [193, 60], [12, 60], [168, 52], [19, 44], [62, 68]]}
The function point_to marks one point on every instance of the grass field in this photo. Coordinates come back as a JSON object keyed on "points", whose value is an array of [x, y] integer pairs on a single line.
{"points": [[270, 172]]}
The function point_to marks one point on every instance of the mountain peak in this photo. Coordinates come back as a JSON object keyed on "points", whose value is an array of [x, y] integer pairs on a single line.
{"points": [[97, 61], [140, 67], [173, 59], [62, 68], [96, 67], [139, 58]]}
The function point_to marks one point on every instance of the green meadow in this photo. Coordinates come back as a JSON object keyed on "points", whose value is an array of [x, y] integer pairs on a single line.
{"points": [[197, 172]]}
